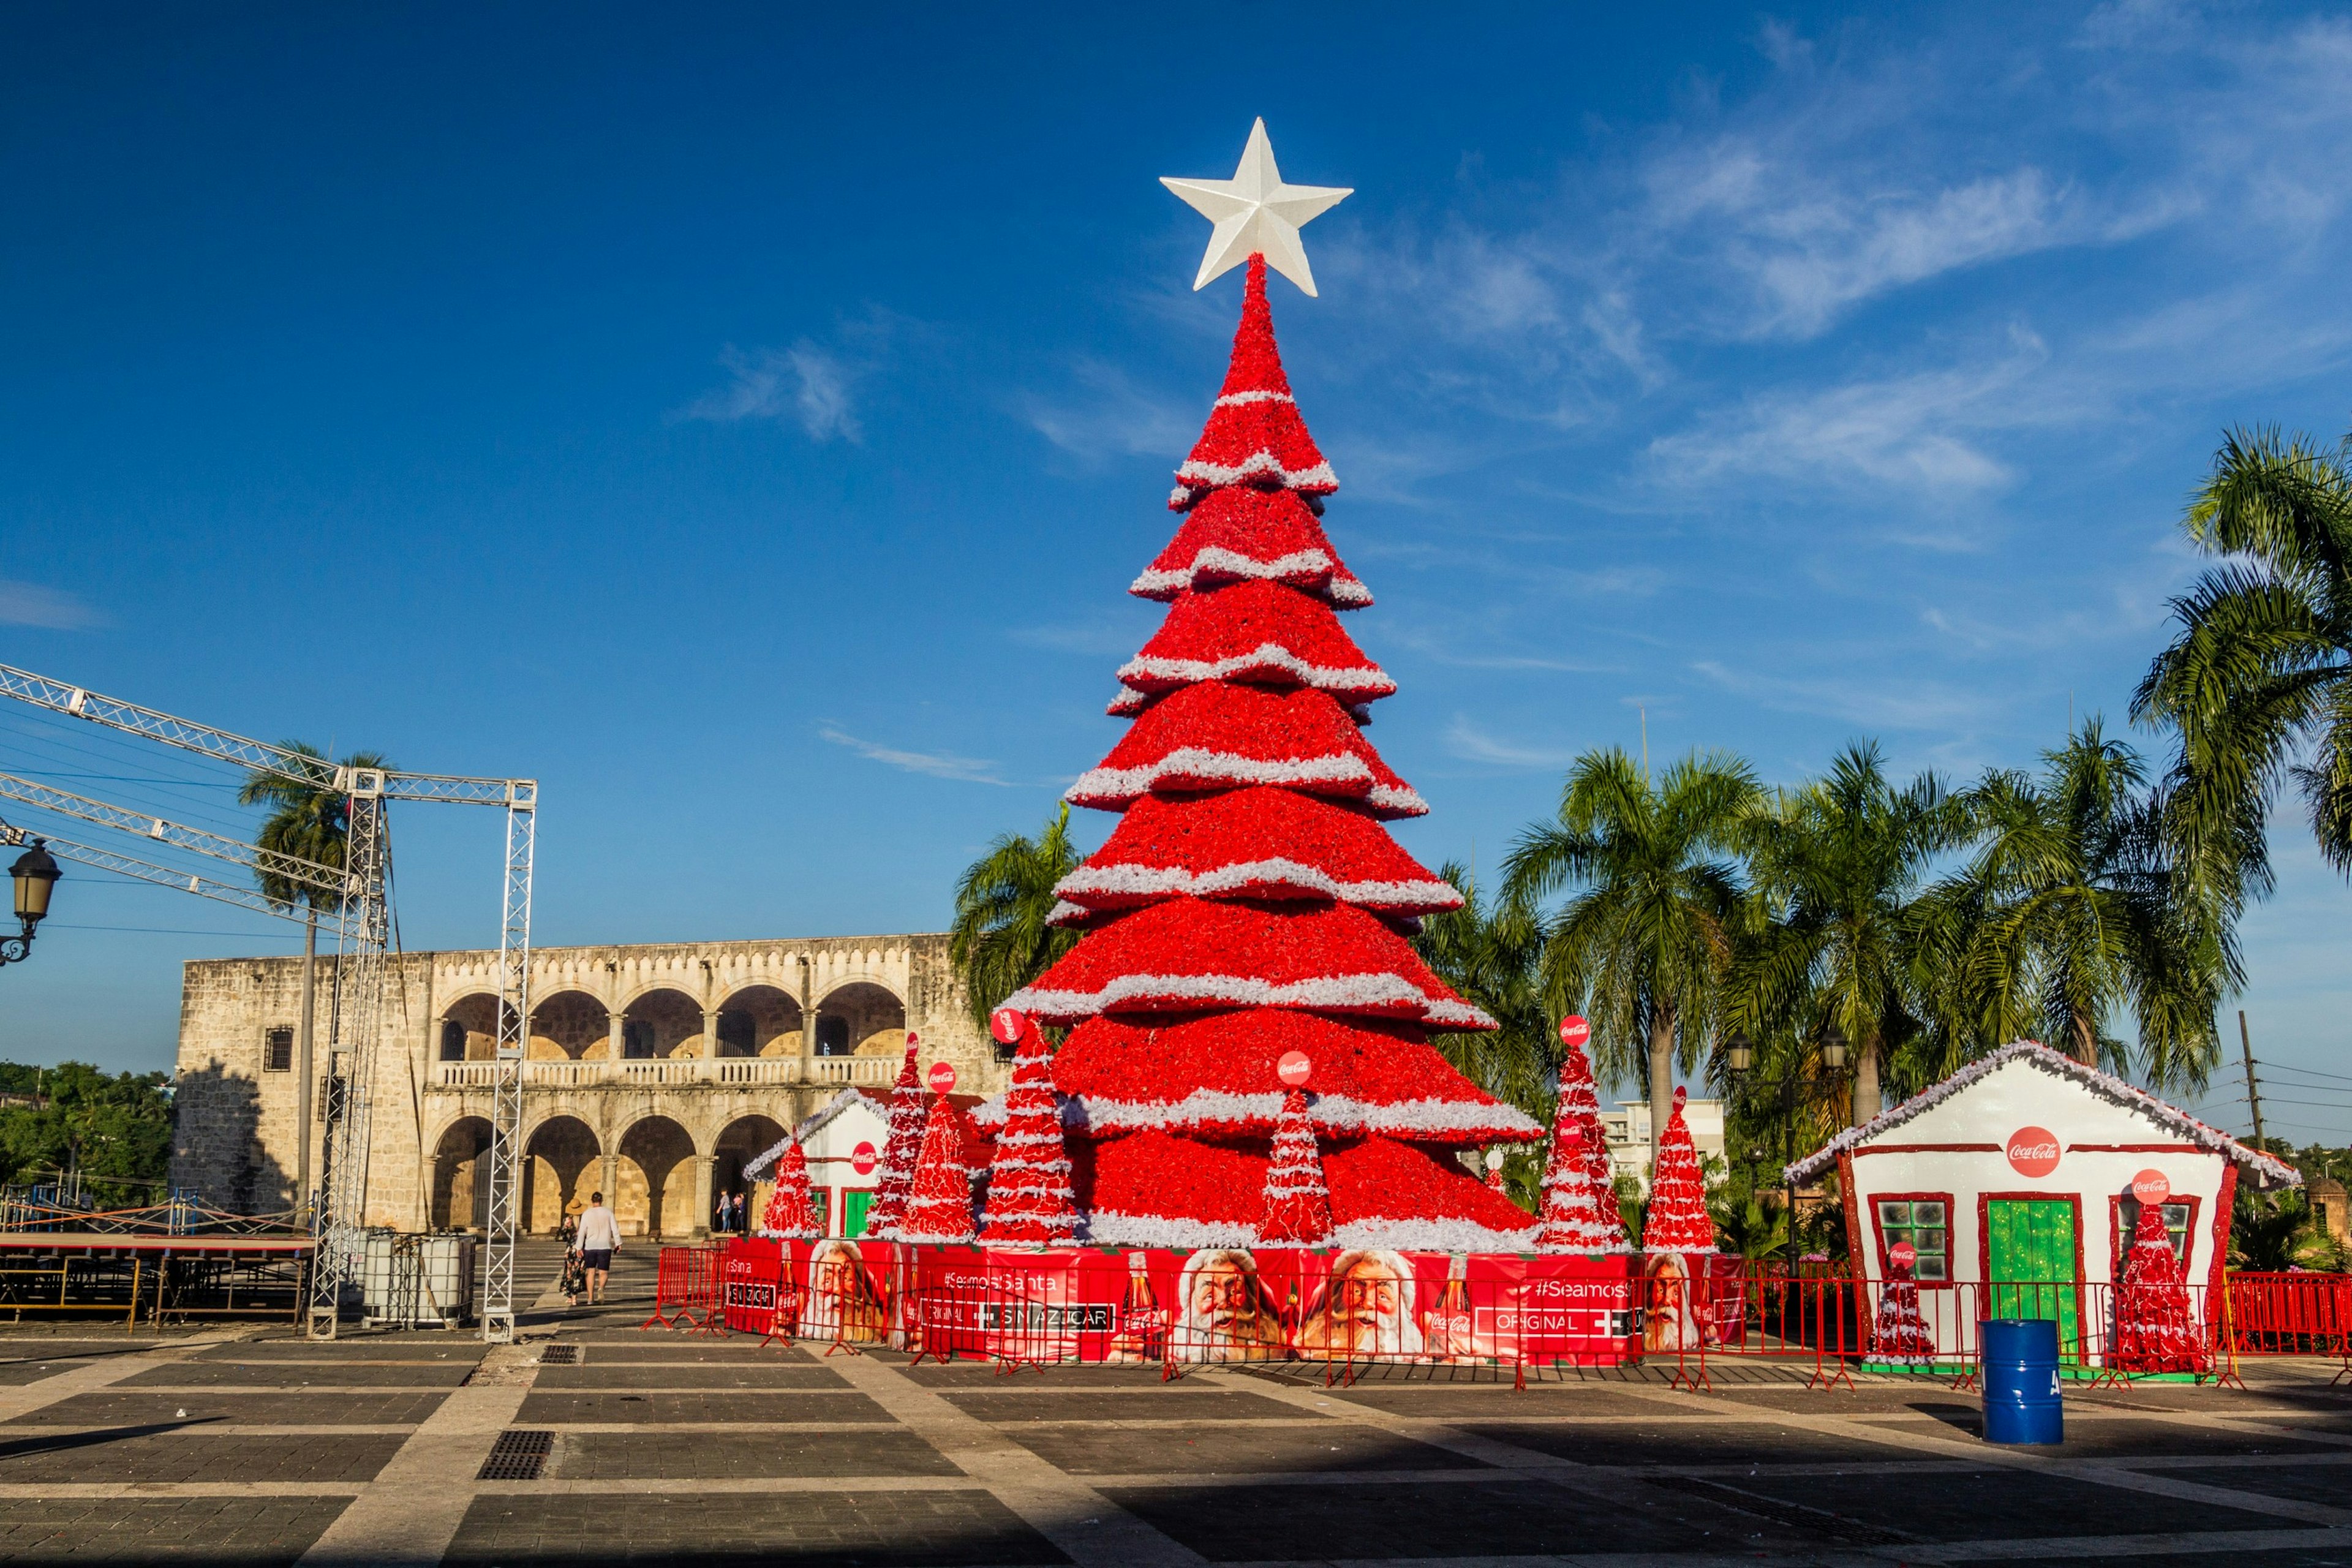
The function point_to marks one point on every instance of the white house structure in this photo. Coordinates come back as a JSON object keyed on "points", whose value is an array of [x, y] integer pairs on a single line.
{"points": [[2011, 1180]]}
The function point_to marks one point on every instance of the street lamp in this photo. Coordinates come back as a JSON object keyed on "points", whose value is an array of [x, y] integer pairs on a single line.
{"points": [[34, 874], [1740, 1055]]}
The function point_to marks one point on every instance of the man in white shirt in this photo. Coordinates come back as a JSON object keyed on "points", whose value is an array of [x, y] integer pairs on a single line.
{"points": [[599, 1237]]}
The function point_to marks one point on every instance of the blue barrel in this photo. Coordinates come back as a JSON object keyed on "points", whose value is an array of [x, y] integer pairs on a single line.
{"points": [[2021, 1380]]}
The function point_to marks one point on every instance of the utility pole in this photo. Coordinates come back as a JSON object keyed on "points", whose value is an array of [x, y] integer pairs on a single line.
{"points": [[2253, 1096]]}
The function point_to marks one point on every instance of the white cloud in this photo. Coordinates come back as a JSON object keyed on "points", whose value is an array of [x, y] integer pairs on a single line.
{"points": [[1471, 742], [934, 765], [1112, 418], [31, 605], [803, 384], [1897, 702], [1917, 432]]}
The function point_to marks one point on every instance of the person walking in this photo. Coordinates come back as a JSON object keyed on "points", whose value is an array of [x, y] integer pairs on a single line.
{"points": [[599, 1237], [718, 1213]]}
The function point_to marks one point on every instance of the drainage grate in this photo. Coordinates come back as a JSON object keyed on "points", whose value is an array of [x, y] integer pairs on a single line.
{"points": [[560, 1355], [517, 1455]]}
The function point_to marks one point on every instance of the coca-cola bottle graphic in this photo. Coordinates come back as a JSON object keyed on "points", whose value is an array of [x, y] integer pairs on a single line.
{"points": [[1447, 1329], [1142, 1334]]}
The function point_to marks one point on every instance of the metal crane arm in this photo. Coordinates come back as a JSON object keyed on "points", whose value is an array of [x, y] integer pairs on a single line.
{"points": [[309, 874], [258, 756], [164, 875]]}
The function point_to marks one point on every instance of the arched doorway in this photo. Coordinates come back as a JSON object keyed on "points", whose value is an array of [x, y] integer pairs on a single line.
{"points": [[861, 1019], [760, 1021], [660, 1023], [738, 1142], [655, 1178], [461, 1176], [568, 1025], [560, 1161]]}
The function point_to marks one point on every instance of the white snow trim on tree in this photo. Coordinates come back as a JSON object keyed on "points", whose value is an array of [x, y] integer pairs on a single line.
{"points": [[1431, 1235], [1344, 591], [1236, 399], [808, 1128], [1196, 761], [1196, 474], [1327, 1113], [1111, 1228], [2106, 1086], [1108, 1227], [1368, 678], [931, 1237], [1340, 992], [1152, 881]]}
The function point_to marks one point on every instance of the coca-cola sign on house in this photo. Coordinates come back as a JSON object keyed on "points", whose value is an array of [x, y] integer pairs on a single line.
{"points": [[2033, 1150]]}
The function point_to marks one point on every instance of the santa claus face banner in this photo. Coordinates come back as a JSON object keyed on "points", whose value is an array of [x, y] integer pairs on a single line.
{"points": [[1223, 1304]]}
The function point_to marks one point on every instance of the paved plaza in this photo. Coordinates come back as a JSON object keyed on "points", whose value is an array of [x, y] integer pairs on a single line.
{"points": [[243, 1444]]}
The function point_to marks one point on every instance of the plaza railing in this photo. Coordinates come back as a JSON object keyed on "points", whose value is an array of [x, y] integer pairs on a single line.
{"points": [[1700, 1318]]}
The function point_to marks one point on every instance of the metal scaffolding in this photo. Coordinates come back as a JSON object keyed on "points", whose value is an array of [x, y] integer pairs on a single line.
{"points": [[360, 920]]}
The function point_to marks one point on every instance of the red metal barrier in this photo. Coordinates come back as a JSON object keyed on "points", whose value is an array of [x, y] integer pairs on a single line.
{"points": [[1353, 1310], [687, 1285]]}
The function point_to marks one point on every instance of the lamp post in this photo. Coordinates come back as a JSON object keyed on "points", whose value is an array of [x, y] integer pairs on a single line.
{"points": [[35, 874], [1739, 1056]]}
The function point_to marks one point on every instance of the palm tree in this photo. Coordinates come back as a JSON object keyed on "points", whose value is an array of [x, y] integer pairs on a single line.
{"points": [[1644, 940], [2258, 680], [308, 821], [1840, 865], [1490, 953], [1000, 941], [2082, 916]]}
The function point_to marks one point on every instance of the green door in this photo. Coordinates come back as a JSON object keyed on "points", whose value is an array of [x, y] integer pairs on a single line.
{"points": [[2033, 1256], [854, 1202]]}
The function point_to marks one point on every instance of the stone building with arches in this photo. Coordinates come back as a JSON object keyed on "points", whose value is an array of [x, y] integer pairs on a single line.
{"points": [[652, 1072]]}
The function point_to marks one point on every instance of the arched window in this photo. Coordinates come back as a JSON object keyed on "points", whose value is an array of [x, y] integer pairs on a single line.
{"points": [[831, 1034], [453, 1040]]}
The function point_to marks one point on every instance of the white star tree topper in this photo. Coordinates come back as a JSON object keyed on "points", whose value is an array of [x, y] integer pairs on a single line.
{"points": [[1258, 214]]}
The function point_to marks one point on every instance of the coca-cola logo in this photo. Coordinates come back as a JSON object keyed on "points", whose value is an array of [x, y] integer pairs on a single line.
{"points": [[2033, 1150], [862, 1159], [2151, 1187]]}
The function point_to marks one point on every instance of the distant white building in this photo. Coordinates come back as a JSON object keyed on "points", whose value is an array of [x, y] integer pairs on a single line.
{"points": [[1627, 1130]]}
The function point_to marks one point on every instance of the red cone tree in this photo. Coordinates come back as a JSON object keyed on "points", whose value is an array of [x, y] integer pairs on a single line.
{"points": [[901, 1146], [939, 1207], [1678, 1219], [1250, 903], [2155, 1329], [1899, 1333], [791, 1211], [1580, 1191], [1297, 1204], [1029, 1199]]}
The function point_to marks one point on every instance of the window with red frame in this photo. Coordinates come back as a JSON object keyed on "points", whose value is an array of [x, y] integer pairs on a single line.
{"points": [[2177, 1219], [1926, 1223]]}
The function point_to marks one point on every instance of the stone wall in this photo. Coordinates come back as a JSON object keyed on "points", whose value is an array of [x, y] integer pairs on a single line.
{"points": [[637, 1060]]}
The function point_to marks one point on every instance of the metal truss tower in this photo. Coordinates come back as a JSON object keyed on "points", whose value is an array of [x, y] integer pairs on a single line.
{"points": [[361, 922]]}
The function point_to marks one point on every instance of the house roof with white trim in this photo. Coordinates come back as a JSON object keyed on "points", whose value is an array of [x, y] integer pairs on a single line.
{"points": [[2268, 1170]]}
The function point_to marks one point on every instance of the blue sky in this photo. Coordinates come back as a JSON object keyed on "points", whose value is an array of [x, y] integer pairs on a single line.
{"points": [[747, 423]]}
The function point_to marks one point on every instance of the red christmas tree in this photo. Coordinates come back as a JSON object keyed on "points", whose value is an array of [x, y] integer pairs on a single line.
{"points": [[791, 1210], [902, 1146], [1580, 1191], [1677, 1220], [1029, 1196], [938, 1208], [2154, 1329], [1297, 1204], [1579, 1215], [1249, 903], [1899, 1334]]}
